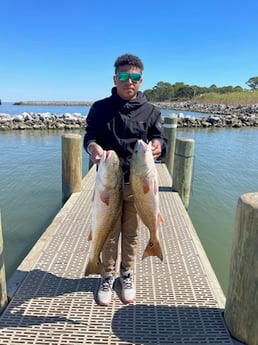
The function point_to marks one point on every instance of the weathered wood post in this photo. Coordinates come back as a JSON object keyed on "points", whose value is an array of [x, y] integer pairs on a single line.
{"points": [[241, 310], [71, 164], [183, 168], [3, 292], [170, 126]]}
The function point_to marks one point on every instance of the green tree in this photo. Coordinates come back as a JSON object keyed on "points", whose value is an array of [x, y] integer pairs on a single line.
{"points": [[252, 83], [151, 95], [184, 92], [238, 88], [160, 92], [164, 90]]}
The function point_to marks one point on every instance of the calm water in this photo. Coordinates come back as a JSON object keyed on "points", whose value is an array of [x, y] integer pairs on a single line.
{"points": [[225, 167]]}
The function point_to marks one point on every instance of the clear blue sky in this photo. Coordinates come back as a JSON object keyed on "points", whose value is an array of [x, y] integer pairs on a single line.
{"points": [[65, 50]]}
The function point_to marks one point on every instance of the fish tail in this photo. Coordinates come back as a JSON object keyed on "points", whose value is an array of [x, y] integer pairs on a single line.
{"points": [[94, 267], [153, 249]]}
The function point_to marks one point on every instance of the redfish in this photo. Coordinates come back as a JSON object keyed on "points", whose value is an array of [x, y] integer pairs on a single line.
{"points": [[106, 207], [144, 183]]}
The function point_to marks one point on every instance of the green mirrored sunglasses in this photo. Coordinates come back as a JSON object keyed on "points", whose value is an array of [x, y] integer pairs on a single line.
{"points": [[124, 76]]}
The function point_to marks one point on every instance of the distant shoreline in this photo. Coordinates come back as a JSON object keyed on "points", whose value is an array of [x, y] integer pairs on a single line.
{"points": [[220, 109], [57, 103]]}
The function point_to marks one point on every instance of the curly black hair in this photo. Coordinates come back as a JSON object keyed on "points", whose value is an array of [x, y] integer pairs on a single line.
{"points": [[128, 59]]}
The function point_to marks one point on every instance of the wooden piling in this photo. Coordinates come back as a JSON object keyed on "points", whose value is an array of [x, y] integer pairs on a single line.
{"points": [[241, 310], [71, 164], [3, 291], [183, 167], [170, 126]]}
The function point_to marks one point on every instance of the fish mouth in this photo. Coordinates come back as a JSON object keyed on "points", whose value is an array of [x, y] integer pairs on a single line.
{"points": [[141, 146]]}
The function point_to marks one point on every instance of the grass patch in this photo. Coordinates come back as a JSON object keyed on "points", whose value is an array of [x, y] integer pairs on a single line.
{"points": [[233, 98]]}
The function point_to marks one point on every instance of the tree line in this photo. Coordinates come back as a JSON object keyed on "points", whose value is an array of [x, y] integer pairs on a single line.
{"points": [[164, 91]]}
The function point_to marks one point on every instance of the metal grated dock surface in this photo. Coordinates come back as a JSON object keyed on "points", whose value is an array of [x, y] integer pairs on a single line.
{"points": [[178, 301]]}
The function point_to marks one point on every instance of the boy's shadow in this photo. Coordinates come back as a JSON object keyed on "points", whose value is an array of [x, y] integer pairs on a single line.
{"points": [[38, 285]]}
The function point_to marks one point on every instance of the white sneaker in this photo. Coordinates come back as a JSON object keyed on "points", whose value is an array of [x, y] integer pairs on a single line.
{"points": [[106, 289], [128, 290]]}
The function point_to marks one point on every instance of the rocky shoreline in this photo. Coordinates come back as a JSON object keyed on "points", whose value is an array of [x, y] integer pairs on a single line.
{"points": [[42, 121], [218, 115], [219, 109]]}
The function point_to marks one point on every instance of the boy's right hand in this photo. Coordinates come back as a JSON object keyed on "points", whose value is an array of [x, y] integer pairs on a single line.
{"points": [[95, 152]]}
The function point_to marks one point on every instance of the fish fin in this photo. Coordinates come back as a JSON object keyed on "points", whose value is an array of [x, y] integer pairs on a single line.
{"points": [[104, 197], [160, 218], [153, 249], [94, 267], [90, 235], [146, 186]]}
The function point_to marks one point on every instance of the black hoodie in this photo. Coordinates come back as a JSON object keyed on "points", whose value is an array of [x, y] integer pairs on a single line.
{"points": [[116, 124]]}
